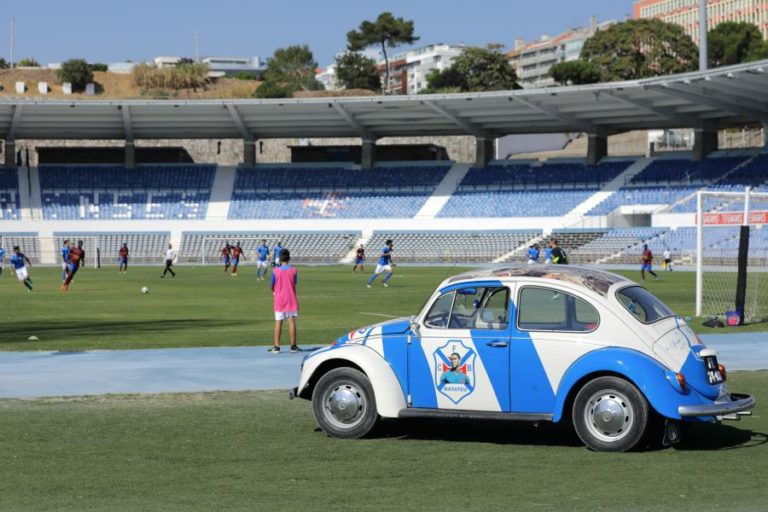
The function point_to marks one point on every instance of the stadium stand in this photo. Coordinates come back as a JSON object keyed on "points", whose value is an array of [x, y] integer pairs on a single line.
{"points": [[679, 171], [448, 246], [528, 190], [109, 192], [144, 247], [9, 194], [305, 247], [613, 243], [295, 192]]}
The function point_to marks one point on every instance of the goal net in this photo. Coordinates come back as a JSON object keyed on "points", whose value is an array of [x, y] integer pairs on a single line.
{"points": [[731, 260]]}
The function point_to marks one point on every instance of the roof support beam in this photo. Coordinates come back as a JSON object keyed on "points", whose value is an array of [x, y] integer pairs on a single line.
{"points": [[353, 123], [238, 119], [715, 100], [666, 113], [577, 124], [470, 128], [127, 122], [15, 122]]}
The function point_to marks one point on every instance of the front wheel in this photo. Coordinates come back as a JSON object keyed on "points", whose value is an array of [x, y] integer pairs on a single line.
{"points": [[610, 415], [344, 403]]}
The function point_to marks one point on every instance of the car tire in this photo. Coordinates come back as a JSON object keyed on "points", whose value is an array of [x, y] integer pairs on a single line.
{"points": [[610, 415], [344, 403]]}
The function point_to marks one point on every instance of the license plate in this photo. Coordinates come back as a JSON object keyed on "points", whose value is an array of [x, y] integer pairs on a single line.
{"points": [[713, 370]]}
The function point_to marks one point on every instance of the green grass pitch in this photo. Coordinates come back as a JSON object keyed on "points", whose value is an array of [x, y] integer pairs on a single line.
{"points": [[205, 307], [259, 451]]}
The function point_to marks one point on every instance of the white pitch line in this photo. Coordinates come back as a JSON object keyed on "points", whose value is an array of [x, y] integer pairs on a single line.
{"points": [[379, 314]]}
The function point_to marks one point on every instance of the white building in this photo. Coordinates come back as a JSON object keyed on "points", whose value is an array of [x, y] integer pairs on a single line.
{"points": [[421, 61], [228, 66], [533, 60], [327, 77]]}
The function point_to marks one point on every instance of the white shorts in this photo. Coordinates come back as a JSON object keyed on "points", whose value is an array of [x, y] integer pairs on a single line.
{"points": [[261, 264], [532, 262], [383, 268], [22, 273], [64, 266], [284, 315]]}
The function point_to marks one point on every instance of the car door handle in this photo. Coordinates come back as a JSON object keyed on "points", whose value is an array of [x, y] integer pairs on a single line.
{"points": [[498, 344]]}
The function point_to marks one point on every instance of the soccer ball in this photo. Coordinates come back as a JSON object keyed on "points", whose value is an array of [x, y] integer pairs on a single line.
{"points": [[144, 290]]}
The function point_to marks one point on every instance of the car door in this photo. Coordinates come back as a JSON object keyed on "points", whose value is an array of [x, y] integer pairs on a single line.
{"points": [[459, 355], [552, 330]]}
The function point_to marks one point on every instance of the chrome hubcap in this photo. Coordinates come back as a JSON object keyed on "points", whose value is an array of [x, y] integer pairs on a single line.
{"points": [[609, 415], [345, 405]]}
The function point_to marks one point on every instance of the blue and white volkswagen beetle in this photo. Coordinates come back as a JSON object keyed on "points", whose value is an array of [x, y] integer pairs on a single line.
{"points": [[543, 343]]}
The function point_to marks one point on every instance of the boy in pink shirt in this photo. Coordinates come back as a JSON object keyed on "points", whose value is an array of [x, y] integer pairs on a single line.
{"points": [[284, 279]]}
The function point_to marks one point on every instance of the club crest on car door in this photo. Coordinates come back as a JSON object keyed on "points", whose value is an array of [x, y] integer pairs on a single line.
{"points": [[454, 369]]}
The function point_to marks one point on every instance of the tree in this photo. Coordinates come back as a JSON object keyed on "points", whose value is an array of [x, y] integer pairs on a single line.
{"points": [[77, 72], [28, 62], [99, 66], [640, 49], [274, 90], [295, 67], [475, 70], [575, 72], [733, 43], [387, 32], [356, 71], [3, 63]]}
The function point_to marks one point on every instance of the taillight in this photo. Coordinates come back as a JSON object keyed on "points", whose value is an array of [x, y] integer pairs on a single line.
{"points": [[721, 369], [681, 380]]}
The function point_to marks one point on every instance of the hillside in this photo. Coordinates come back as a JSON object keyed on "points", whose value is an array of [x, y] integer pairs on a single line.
{"points": [[120, 86]]}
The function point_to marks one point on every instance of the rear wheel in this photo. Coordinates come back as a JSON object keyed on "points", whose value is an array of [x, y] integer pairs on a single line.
{"points": [[610, 415], [344, 404]]}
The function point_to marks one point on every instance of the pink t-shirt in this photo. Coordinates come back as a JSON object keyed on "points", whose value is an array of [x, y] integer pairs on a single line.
{"points": [[284, 279]]}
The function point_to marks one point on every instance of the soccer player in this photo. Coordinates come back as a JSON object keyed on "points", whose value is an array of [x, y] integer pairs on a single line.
{"points": [[237, 253], [18, 260], [76, 260], [647, 263], [558, 254], [123, 259], [548, 255], [384, 265], [533, 254], [359, 259], [276, 254], [284, 280], [262, 252], [225, 255], [170, 256], [667, 259], [65, 248], [2, 258]]}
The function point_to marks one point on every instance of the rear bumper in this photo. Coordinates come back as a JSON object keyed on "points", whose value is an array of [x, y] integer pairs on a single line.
{"points": [[738, 403]]}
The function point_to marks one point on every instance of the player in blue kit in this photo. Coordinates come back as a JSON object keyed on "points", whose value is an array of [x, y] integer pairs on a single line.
{"points": [[2, 258], [262, 255], [276, 254], [533, 254], [20, 263], [384, 265], [65, 251]]}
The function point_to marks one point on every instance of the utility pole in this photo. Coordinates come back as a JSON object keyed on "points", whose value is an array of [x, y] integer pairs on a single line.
{"points": [[10, 33], [197, 48], [703, 55]]}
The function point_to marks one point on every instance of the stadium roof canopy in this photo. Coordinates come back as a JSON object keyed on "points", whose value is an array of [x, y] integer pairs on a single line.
{"points": [[719, 98]]}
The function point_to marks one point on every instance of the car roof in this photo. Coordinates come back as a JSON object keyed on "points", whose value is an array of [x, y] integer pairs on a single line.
{"points": [[598, 281]]}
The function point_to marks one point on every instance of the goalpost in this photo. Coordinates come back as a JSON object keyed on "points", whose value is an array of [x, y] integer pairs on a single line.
{"points": [[731, 260]]}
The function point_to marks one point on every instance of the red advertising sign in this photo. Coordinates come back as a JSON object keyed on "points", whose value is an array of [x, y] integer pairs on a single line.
{"points": [[734, 218]]}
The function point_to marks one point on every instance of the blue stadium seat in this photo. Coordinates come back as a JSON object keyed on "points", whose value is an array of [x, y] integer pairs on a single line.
{"points": [[9, 194]]}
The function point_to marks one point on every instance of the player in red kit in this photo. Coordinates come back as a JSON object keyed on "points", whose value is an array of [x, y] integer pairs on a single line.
{"points": [[226, 255], [76, 260], [237, 253]]}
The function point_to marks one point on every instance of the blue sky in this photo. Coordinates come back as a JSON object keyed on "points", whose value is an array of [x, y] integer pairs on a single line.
{"points": [[116, 30]]}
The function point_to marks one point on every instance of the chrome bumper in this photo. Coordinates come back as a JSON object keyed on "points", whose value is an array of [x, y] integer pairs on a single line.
{"points": [[737, 404]]}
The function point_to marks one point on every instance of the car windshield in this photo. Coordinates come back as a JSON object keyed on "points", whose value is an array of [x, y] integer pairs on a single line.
{"points": [[643, 305]]}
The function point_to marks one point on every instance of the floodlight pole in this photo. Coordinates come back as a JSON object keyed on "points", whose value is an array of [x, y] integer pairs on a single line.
{"points": [[197, 47], [10, 35], [703, 55]]}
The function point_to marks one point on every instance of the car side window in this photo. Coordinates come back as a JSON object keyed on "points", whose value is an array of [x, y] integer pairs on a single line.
{"points": [[544, 309], [440, 311], [495, 311]]}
